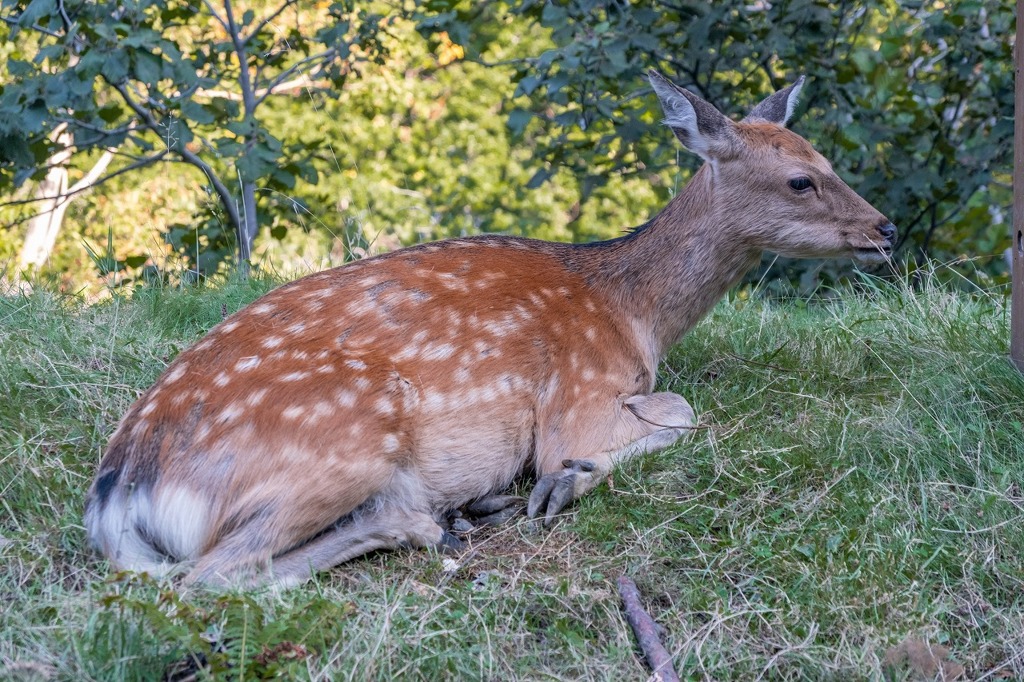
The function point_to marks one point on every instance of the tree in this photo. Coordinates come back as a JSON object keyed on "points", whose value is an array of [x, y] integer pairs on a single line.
{"points": [[173, 82], [911, 101]]}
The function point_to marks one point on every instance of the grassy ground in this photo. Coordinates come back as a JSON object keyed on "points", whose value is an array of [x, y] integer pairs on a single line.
{"points": [[858, 485]]}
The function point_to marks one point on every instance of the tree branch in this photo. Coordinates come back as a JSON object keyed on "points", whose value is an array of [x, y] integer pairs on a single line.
{"points": [[269, 18], [219, 187], [35, 27], [303, 81], [244, 77], [217, 17], [293, 69], [646, 632], [84, 184]]}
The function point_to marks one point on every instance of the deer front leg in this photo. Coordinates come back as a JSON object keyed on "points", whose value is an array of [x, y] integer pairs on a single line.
{"points": [[662, 418]]}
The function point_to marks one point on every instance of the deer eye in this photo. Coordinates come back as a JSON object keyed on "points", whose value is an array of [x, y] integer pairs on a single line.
{"points": [[800, 184]]}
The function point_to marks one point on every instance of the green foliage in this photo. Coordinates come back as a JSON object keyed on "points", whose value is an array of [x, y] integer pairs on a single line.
{"points": [[521, 117], [174, 81], [911, 101], [232, 634]]}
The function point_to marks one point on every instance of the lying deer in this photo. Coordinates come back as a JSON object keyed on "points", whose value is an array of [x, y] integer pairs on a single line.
{"points": [[352, 409]]}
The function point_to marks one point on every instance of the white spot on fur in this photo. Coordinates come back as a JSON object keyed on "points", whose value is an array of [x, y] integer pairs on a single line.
{"points": [[176, 373], [202, 432], [434, 400], [590, 334], [232, 411], [296, 328], [262, 309], [244, 364], [222, 379], [357, 365], [325, 369], [256, 397], [391, 443], [362, 383], [300, 355], [441, 352], [231, 326], [293, 376], [317, 295], [293, 412], [272, 342], [589, 374], [385, 406], [589, 305], [345, 398], [140, 428], [323, 409], [148, 409]]}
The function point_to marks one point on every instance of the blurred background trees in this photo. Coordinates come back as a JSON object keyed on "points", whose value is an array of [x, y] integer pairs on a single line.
{"points": [[405, 122]]}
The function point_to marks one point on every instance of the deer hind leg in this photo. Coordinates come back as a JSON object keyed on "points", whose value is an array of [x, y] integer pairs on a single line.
{"points": [[356, 535], [666, 417]]}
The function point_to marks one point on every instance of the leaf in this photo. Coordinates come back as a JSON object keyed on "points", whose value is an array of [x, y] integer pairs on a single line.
{"points": [[539, 178], [111, 112], [527, 85], [518, 120], [147, 67]]}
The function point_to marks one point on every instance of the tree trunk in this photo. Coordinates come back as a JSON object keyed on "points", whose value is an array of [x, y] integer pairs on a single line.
{"points": [[44, 226], [247, 225], [54, 198]]}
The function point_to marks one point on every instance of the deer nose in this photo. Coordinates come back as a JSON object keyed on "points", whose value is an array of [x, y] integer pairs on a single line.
{"points": [[888, 231]]}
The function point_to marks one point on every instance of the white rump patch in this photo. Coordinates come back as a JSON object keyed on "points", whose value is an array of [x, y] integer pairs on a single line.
{"points": [[179, 521]]}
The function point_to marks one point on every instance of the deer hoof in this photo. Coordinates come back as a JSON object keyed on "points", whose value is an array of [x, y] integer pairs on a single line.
{"points": [[554, 491], [450, 544]]}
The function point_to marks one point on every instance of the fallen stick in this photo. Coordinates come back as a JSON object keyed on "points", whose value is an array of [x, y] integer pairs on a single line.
{"points": [[646, 632]]}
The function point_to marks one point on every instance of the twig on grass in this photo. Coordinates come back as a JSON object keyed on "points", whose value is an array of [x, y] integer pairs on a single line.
{"points": [[646, 632]]}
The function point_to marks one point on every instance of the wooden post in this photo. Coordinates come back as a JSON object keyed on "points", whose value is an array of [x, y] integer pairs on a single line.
{"points": [[1017, 302]]}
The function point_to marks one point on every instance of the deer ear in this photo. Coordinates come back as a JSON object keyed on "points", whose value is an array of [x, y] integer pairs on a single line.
{"points": [[778, 108], [699, 126]]}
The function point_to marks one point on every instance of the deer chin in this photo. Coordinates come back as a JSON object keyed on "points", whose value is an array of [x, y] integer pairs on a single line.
{"points": [[872, 254]]}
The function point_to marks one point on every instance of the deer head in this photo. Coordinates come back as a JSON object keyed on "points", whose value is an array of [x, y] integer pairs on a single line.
{"points": [[769, 185]]}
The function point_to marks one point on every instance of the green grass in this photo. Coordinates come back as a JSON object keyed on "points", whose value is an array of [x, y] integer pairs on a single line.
{"points": [[859, 483]]}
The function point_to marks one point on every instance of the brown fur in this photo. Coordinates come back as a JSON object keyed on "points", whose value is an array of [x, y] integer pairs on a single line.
{"points": [[349, 410]]}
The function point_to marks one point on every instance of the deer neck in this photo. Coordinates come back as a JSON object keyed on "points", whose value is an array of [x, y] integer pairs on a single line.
{"points": [[666, 275]]}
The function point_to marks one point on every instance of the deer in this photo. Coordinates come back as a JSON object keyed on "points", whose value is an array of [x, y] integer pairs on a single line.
{"points": [[353, 409]]}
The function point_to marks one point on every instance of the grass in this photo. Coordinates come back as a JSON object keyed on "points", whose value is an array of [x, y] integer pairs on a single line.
{"points": [[858, 485]]}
